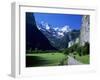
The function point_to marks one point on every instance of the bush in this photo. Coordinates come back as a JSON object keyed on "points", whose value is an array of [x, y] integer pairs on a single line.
{"points": [[76, 48], [75, 53], [80, 54], [71, 49], [67, 51], [86, 49]]}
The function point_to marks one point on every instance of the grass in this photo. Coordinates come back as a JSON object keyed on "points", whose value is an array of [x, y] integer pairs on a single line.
{"points": [[45, 59], [84, 58]]}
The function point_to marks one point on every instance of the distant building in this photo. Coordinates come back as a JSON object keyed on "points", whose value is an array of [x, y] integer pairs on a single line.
{"points": [[85, 30]]}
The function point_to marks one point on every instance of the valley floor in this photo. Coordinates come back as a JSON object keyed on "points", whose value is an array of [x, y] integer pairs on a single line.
{"points": [[54, 59], [45, 59], [84, 58]]}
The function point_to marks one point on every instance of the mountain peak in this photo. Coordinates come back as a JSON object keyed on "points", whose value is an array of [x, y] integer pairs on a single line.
{"points": [[57, 35], [58, 31], [47, 26], [66, 28], [61, 34]]}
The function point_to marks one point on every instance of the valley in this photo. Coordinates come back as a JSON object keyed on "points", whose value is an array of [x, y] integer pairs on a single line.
{"points": [[49, 45], [45, 59]]}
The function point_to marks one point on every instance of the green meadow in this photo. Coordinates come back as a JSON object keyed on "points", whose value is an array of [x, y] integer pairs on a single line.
{"points": [[45, 59], [84, 58]]}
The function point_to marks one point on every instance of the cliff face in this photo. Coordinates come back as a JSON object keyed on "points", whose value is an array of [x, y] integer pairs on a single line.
{"points": [[71, 43], [85, 30], [34, 38]]}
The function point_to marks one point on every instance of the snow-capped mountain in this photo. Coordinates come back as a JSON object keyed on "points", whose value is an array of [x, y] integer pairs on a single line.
{"points": [[55, 31], [58, 36], [63, 29]]}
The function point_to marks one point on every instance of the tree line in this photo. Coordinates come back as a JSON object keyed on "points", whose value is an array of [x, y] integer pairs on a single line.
{"points": [[78, 49]]}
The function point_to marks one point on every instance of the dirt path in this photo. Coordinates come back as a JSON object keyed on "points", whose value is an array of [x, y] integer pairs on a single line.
{"points": [[72, 61]]}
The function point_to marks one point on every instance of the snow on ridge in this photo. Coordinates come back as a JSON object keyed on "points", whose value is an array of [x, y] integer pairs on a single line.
{"points": [[58, 31], [56, 28], [66, 28], [47, 26], [60, 34]]}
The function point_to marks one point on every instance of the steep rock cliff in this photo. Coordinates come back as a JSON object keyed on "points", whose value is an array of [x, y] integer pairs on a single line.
{"points": [[85, 30]]}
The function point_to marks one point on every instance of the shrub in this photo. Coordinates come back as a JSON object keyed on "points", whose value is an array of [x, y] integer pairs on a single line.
{"points": [[86, 48], [67, 51], [76, 48]]}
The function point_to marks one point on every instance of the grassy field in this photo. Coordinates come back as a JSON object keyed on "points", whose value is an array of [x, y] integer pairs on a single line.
{"points": [[84, 58], [45, 59]]}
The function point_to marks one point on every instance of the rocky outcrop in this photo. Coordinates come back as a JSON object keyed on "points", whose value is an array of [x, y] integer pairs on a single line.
{"points": [[85, 30], [71, 43]]}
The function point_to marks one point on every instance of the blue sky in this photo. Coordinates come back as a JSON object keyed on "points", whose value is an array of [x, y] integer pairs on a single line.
{"points": [[60, 20]]}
